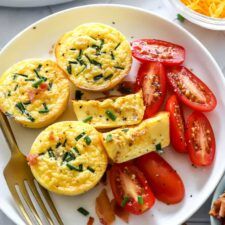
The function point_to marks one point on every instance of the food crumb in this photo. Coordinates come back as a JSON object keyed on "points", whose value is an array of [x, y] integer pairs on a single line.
{"points": [[113, 22], [51, 50], [34, 27]]}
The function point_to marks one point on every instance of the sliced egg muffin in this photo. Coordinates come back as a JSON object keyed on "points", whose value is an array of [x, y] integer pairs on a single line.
{"points": [[111, 113], [124, 144], [69, 158], [34, 92], [95, 56]]}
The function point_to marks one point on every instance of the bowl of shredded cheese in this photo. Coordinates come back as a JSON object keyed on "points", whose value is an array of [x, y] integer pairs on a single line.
{"points": [[206, 13]]}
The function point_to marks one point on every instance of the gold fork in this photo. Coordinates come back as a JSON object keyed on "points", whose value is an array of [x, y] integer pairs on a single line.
{"points": [[16, 173]]}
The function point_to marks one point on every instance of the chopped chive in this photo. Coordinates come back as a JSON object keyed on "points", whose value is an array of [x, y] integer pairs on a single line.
{"points": [[73, 49], [31, 79], [80, 54], [108, 138], [119, 67], [95, 47], [87, 119], [73, 62], [37, 83], [124, 202], [76, 150], [83, 211], [14, 76], [79, 136], [21, 107], [108, 77], [36, 73], [16, 87], [112, 56], [102, 43], [20, 74], [125, 130], [9, 93], [44, 78], [94, 62], [158, 147], [45, 110], [29, 117], [77, 168], [50, 86], [97, 77], [180, 18], [69, 69], [51, 153], [117, 46], [90, 169], [64, 143], [39, 67], [140, 200], [90, 61], [27, 103], [68, 156], [78, 94], [85, 66], [87, 140], [110, 114], [58, 144]]}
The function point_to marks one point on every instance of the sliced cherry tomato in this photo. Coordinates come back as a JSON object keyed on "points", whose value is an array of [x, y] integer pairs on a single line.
{"points": [[164, 181], [151, 79], [177, 126], [190, 89], [154, 50], [130, 188], [200, 139]]}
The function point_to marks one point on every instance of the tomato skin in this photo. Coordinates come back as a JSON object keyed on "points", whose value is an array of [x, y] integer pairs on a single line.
{"points": [[177, 125], [152, 50], [164, 181], [133, 206], [151, 79], [191, 90], [204, 133]]}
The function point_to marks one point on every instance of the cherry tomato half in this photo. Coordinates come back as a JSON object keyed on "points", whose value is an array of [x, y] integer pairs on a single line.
{"points": [[130, 188], [153, 50], [164, 181], [177, 126], [151, 79], [200, 139], [190, 89]]}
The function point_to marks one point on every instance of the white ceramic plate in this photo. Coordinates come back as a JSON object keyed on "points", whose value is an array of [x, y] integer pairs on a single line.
{"points": [[30, 3], [134, 23], [219, 190]]}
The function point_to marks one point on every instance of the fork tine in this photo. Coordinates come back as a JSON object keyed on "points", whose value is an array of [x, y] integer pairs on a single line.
{"points": [[19, 204], [51, 204], [26, 197], [39, 200]]}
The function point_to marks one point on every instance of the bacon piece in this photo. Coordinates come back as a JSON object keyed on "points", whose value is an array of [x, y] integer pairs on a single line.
{"points": [[31, 94], [43, 86], [90, 221], [32, 159], [104, 209], [51, 136]]}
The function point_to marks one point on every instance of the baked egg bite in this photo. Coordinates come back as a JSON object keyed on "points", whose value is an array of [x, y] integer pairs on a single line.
{"points": [[34, 92], [111, 113], [68, 158], [95, 56]]}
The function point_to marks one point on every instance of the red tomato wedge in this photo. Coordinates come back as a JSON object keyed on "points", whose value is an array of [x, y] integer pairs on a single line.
{"points": [[200, 139], [130, 188], [153, 50], [190, 89], [177, 125], [151, 79], [164, 181]]}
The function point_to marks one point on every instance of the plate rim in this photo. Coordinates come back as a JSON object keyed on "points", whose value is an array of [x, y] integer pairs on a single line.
{"points": [[123, 6]]}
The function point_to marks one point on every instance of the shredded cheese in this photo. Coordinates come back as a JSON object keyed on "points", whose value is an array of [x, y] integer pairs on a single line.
{"points": [[211, 8]]}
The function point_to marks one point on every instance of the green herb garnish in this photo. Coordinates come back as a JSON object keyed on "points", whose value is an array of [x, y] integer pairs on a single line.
{"points": [[37, 83], [9, 93], [112, 56], [21, 107], [108, 138], [27, 103], [79, 136], [78, 94], [77, 168], [39, 67], [85, 66], [124, 202], [50, 86], [87, 140], [36, 73], [64, 143], [125, 130], [45, 110], [73, 62], [69, 69], [83, 211], [98, 77], [117, 46], [51, 153], [180, 18], [108, 77], [110, 114], [159, 149], [76, 150], [58, 144], [87, 119], [140, 200], [31, 79], [68, 156], [90, 169], [16, 87], [119, 67], [20, 74]]}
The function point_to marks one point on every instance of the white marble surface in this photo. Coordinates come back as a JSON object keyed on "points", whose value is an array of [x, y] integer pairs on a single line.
{"points": [[13, 20]]}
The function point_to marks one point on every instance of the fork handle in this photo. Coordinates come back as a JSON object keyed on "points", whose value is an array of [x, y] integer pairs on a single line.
{"points": [[8, 134]]}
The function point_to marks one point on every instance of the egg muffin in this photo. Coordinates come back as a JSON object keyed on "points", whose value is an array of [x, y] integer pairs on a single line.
{"points": [[34, 92], [111, 113], [69, 158], [95, 56]]}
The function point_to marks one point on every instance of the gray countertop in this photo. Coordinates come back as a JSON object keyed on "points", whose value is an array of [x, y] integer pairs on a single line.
{"points": [[13, 20]]}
